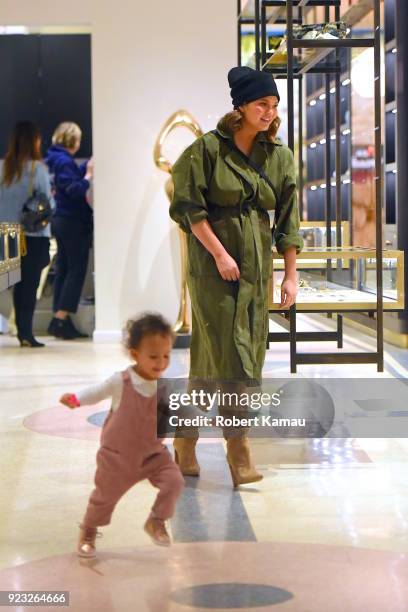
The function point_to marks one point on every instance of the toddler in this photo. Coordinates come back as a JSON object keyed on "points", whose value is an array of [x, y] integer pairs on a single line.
{"points": [[130, 450]]}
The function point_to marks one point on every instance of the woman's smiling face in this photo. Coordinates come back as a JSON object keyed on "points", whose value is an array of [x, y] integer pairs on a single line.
{"points": [[259, 114]]}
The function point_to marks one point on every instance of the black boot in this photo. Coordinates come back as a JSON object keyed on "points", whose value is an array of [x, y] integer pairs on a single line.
{"points": [[74, 330], [60, 328], [30, 342], [24, 322]]}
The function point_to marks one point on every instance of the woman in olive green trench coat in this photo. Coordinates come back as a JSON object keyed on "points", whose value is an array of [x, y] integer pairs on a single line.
{"points": [[222, 203]]}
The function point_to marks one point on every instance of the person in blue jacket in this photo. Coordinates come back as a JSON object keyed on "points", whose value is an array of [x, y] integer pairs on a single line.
{"points": [[22, 173], [72, 226]]}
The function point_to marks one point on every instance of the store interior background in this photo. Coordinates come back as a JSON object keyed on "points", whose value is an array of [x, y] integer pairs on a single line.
{"points": [[333, 510], [145, 66], [147, 62]]}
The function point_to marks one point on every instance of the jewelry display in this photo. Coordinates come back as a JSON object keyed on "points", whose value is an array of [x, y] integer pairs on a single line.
{"points": [[340, 275]]}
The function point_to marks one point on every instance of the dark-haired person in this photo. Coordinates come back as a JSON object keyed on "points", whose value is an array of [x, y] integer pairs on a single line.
{"points": [[130, 450], [72, 226], [23, 171], [221, 200]]}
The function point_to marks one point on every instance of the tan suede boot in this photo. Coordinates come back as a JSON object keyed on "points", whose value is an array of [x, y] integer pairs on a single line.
{"points": [[156, 529], [86, 543], [185, 457], [240, 463]]}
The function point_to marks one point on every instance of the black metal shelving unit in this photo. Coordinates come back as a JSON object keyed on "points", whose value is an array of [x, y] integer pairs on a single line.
{"points": [[315, 136], [330, 59], [390, 119]]}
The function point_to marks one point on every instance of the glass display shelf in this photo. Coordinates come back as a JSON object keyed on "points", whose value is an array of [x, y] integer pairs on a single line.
{"points": [[344, 279], [314, 235]]}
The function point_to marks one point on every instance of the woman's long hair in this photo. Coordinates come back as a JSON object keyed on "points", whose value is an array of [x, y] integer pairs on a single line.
{"points": [[232, 122], [24, 145]]}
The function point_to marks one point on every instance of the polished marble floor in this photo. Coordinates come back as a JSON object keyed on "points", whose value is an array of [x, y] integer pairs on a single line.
{"points": [[326, 530]]}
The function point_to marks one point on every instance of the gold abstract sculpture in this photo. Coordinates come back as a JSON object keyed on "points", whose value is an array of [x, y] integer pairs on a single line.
{"points": [[180, 118]]}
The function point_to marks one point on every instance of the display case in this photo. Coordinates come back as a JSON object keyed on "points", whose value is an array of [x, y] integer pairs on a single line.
{"points": [[342, 279], [335, 280], [10, 254], [314, 234]]}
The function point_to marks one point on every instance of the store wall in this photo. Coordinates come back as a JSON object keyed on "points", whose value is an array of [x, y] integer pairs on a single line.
{"points": [[148, 59]]}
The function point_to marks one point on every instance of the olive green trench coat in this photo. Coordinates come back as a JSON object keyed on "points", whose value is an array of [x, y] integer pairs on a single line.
{"points": [[230, 319]]}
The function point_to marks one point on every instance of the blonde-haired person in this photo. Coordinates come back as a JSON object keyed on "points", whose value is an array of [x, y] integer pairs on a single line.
{"points": [[72, 226], [224, 185], [67, 135]]}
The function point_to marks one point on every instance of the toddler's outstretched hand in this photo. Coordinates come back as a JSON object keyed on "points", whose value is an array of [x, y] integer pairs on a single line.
{"points": [[70, 400]]}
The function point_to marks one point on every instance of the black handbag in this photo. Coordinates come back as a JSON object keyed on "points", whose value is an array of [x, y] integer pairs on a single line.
{"points": [[37, 212]]}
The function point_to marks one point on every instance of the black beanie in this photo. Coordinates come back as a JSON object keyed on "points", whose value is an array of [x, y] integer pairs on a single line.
{"points": [[248, 84]]}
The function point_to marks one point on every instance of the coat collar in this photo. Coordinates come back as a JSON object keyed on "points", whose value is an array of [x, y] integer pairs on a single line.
{"points": [[260, 137], [260, 150]]}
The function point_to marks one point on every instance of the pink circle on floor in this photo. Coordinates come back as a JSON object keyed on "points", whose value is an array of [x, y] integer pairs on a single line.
{"points": [[63, 422]]}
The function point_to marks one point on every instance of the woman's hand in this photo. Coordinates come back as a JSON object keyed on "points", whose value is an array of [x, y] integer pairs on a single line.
{"points": [[70, 400], [288, 292], [289, 284], [227, 266]]}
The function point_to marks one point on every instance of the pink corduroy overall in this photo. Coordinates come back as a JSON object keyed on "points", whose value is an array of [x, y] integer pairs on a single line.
{"points": [[130, 451]]}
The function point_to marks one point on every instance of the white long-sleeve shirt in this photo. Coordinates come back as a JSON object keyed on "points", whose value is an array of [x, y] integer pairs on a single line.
{"points": [[113, 387]]}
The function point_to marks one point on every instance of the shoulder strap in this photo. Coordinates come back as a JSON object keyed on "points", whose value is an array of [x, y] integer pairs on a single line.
{"points": [[125, 376], [230, 143], [31, 183]]}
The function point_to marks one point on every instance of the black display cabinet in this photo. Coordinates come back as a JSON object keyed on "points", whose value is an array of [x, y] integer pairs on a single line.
{"points": [[324, 64]]}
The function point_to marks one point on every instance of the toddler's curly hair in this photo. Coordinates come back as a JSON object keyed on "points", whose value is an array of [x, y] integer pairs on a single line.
{"points": [[147, 324]]}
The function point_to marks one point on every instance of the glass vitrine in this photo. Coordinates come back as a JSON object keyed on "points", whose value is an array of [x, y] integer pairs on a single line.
{"points": [[314, 234], [342, 279]]}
